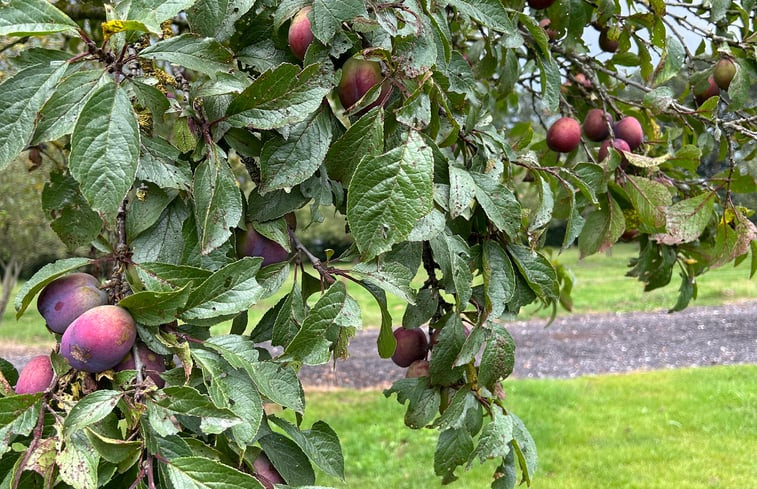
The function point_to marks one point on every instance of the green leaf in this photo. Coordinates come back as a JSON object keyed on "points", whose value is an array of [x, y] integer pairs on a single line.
{"points": [[423, 400], [105, 149], [144, 211], [499, 203], [525, 448], [328, 16], [166, 277], [386, 342], [89, 410], [542, 215], [320, 443], [237, 350], [235, 390], [21, 97], [393, 271], [537, 270], [33, 17], [75, 223], [18, 416], [205, 55], [279, 384], [650, 199], [489, 13], [498, 358], [59, 114], [286, 162], [288, 459], [687, 219], [205, 473], [155, 308], [228, 291], [311, 338], [160, 164], [364, 137], [602, 229], [550, 82], [279, 97], [671, 62], [112, 449], [456, 413], [659, 99], [446, 350], [187, 401], [454, 447], [499, 278], [78, 462], [462, 189], [152, 12], [388, 194], [218, 202], [215, 18], [494, 441], [44, 276]]}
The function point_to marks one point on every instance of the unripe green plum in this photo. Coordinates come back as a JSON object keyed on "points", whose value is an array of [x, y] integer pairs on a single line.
{"points": [[595, 126], [252, 243], [419, 368], [724, 71], [300, 34], [629, 130], [618, 144], [66, 298], [359, 76], [265, 472], [152, 363], [35, 376], [99, 339], [564, 135], [412, 345]]}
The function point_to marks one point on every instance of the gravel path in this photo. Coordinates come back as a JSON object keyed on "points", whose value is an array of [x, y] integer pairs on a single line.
{"points": [[571, 346]]}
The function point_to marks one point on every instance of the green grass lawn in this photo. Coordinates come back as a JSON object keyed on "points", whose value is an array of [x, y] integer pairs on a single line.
{"points": [[601, 286], [674, 429]]}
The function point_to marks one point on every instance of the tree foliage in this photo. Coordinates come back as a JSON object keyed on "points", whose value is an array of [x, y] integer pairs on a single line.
{"points": [[147, 108]]}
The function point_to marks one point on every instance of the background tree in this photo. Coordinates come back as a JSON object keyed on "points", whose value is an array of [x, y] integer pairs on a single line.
{"points": [[401, 116], [25, 235]]}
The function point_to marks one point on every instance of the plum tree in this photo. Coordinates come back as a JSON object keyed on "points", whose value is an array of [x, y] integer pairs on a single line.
{"points": [[412, 345], [564, 135], [66, 298], [723, 73], [36, 375], [629, 130], [596, 126], [252, 243], [153, 364], [99, 339], [300, 34], [157, 131], [359, 76]]}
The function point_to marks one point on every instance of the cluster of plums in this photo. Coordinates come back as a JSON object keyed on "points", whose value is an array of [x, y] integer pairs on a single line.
{"points": [[721, 77], [412, 349], [358, 75], [95, 336], [565, 134]]}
